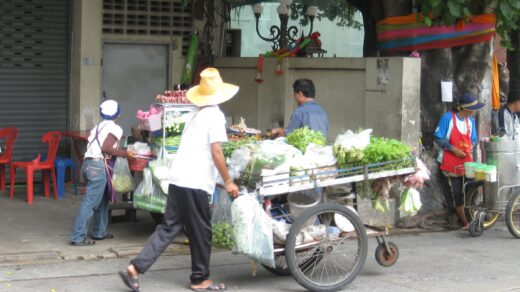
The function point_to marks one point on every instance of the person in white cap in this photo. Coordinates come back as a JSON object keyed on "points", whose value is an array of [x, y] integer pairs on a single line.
{"points": [[102, 144], [198, 162]]}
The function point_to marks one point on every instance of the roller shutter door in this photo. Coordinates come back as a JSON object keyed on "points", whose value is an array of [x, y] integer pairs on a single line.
{"points": [[34, 66]]}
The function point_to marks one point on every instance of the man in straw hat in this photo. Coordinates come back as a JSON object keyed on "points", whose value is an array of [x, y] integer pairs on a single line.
{"points": [[198, 162], [506, 121], [456, 134]]}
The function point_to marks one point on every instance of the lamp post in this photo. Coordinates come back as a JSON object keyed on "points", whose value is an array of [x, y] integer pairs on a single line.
{"points": [[282, 36]]}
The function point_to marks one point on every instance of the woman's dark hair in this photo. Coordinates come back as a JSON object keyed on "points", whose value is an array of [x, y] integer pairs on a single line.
{"points": [[305, 86]]}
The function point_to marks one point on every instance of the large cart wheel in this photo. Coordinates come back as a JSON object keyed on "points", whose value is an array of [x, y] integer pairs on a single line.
{"points": [[387, 257], [475, 199], [322, 257], [513, 215], [476, 227]]}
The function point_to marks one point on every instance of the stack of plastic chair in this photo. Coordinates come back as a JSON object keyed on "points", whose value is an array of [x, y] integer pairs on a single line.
{"points": [[47, 167], [9, 134], [61, 164]]}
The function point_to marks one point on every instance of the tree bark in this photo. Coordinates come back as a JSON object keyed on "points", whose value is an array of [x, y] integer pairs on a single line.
{"points": [[513, 59]]}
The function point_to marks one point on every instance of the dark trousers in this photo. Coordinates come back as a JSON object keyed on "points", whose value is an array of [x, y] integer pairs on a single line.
{"points": [[188, 209], [452, 187]]}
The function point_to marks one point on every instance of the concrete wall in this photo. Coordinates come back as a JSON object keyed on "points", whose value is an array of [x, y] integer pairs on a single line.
{"points": [[86, 63], [377, 93]]}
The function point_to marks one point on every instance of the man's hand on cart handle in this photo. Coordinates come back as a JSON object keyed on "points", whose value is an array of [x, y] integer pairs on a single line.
{"points": [[459, 153]]}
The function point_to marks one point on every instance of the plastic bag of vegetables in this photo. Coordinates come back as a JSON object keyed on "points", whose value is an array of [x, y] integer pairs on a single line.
{"points": [[122, 179], [270, 155], [148, 196], [221, 221], [252, 230], [410, 202]]}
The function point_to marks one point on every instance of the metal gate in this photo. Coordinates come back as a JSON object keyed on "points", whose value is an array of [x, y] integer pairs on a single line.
{"points": [[34, 71]]}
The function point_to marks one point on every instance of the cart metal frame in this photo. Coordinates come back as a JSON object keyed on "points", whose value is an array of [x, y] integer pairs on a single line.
{"points": [[270, 186]]}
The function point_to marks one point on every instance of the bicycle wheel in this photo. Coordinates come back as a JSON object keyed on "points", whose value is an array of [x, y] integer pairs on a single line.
{"points": [[513, 215], [475, 199], [322, 257]]}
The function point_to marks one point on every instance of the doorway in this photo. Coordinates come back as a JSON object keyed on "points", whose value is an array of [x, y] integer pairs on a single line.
{"points": [[132, 75]]}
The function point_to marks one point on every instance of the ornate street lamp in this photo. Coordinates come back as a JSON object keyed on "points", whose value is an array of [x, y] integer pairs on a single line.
{"points": [[282, 36]]}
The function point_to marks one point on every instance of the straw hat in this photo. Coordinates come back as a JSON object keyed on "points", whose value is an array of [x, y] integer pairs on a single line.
{"points": [[211, 89]]}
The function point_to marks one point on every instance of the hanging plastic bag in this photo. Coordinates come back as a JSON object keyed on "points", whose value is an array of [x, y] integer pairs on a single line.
{"points": [[221, 221], [252, 230], [410, 202], [122, 179], [148, 196]]}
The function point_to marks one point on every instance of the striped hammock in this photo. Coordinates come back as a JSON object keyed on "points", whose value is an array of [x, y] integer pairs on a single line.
{"points": [[404, 33]]}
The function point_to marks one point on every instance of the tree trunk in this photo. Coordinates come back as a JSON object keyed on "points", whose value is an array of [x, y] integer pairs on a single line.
{"points": [[513, 59]]}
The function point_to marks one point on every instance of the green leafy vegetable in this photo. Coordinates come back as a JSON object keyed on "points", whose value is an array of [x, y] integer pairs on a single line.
{"points": [[302, 137], [230, 146]]}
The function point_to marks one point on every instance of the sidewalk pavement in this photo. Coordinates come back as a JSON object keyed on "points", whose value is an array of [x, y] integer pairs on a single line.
{"points": [[39, 233]]}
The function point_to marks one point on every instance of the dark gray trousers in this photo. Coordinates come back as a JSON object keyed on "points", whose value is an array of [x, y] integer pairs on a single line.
{"points": [[188, 209]]}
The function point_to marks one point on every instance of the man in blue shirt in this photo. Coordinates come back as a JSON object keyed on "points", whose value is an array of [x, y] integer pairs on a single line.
{"points": [[308, 113]]}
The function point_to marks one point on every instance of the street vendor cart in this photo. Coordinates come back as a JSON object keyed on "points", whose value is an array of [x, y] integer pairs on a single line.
{"points": [[326, 246], [492, 189]]}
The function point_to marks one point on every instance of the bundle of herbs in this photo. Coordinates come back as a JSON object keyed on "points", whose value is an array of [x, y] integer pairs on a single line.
{"points": [[302, 137]]}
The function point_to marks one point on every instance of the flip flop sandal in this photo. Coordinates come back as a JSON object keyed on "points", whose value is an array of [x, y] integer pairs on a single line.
{"points": [[132, 283], [108, 236], [85, 242], [211, 287]]}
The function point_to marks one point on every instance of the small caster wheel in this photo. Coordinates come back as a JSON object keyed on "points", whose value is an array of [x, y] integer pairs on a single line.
{"points": [[387, 258], [476, 228]]}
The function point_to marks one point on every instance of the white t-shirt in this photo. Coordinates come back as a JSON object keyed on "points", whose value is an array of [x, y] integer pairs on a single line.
{"points": [[105, 127], [193, 166]]}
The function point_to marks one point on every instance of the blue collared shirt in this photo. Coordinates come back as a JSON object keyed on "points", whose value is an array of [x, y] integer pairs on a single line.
{"points": [[309, 114]]}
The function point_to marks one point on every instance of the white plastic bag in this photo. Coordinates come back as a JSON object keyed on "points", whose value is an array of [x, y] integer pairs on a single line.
{"points": [[122, 180], [410, 202], [221, 221], [252, 230], [351, 140], [148, 196]]}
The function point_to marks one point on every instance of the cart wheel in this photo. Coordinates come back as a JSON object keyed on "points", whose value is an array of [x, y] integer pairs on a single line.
{"points": [[475, 198], [157, 217], [476, 228], [387, 258], [281, 268], [513, 215], [322, 257]]}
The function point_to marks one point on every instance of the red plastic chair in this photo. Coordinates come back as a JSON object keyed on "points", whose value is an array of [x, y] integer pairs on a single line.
{"points": [[47, 167], [9, 134]]}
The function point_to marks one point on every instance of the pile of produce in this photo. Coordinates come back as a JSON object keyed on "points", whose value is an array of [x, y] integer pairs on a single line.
{"points": [[302, 137], [222, 235], [143, 115], [231, 145], [356, 149], [383, 150], [170, 141], [173, 96]]}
